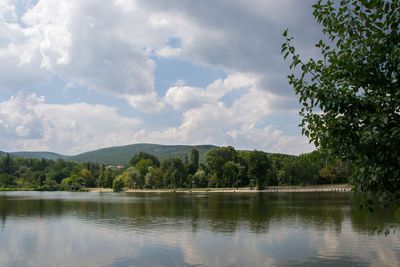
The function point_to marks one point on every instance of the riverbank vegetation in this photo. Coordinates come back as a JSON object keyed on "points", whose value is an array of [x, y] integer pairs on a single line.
{"points": [[224, 167]]}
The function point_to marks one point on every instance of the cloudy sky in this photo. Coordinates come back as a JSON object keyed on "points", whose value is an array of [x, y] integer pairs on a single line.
{"points": [[80, 75]]}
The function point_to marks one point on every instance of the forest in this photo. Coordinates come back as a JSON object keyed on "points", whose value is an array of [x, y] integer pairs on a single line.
{"points": [[224, 167]]}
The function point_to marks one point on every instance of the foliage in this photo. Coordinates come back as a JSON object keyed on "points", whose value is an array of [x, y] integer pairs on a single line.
{"points": [[171, 179], [143, 165], [7, 180], [74, 180], [143, 156], [303, 170], [65, 175], [122, 154], [356, 86], [194, 157], [200, 178], [259, 163], [118, 184], [108, 178], [218, 156], [230, 173]]}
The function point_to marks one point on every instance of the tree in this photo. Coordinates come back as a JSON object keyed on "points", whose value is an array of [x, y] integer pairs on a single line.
{"points": [[118, 184], [217, 156], [108, 178], [131, 178], [259, 163], [89, 179], [168, 167], [351, 96], [200, 178], [143, 166], [303, 170], [7, 180], [143, 155], [74, 180], [6, 164], [194, 157], [229, 174], [149, 179], [101, 174]]}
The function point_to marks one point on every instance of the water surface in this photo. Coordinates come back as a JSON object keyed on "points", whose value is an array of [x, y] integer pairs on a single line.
{"points": [[193, 229]]}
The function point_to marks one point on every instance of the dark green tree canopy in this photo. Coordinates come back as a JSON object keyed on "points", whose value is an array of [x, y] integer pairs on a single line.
{"points": [[351, 95], [259, 163], [217, 156], [194, 157], [143, 155]]}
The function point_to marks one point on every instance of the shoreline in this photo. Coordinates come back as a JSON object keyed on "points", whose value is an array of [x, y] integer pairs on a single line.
{"points": [[270, 189]]}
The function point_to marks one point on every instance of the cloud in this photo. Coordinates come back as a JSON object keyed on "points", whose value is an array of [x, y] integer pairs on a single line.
{"points": [[28, 123], [183, 97], [111, 47], [107, 47], [148, 103]]}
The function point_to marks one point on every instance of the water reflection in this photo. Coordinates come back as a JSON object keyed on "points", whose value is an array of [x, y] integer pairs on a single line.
{"points": [[107, 229]]}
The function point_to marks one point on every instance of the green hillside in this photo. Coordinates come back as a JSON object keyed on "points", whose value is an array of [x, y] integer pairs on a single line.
{"points": [[37, 155], [122, 154]]}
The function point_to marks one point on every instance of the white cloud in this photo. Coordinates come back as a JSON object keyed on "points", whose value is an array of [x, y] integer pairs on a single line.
{"points": [[148, 103], [186, 97], [183, 98], [28, 123], [108, 47]]}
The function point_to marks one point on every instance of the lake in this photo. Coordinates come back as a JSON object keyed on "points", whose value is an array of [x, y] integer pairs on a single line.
{"points": [[193, 229]]}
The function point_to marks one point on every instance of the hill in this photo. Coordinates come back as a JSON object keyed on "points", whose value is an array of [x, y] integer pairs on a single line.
{"points": [[37, 155], [121, 154]]}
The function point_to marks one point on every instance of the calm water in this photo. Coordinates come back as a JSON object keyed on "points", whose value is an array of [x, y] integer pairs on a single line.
{"points": [[167, 229]]}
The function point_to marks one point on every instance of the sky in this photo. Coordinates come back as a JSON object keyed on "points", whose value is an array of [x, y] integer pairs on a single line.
{"points": [[81, 75]]}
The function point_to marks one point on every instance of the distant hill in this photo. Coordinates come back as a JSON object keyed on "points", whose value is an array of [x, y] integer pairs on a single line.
{"points": [[37, 155], [121, 154]]}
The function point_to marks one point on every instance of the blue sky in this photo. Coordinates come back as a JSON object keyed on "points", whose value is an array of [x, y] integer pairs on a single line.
{"points": [[82, 75]]}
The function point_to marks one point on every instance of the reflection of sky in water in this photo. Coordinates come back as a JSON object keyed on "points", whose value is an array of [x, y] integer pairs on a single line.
{"points": [[82, 236]]}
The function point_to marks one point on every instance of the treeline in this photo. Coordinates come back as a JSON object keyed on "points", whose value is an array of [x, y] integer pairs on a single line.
{"points": [[224, 167]]}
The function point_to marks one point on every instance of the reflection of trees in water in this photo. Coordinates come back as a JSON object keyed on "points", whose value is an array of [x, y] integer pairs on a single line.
{"points": [[220, 212]]}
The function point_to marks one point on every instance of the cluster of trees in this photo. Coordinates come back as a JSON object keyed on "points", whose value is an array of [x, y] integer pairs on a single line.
{"points": [[223, 167], [46, 174]]}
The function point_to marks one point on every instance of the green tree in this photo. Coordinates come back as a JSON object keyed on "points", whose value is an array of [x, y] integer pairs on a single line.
{"points": [[259, 163], [6, 164], [131, 178], [143, 166], [356, 85], [303, 170], [229, 174], [118, 184], [201, 178], [150, 179], [74, 180], [88, 176], [174, 178], [143, 155], [108, 178], [7, 180], [168, 167], [101, 174], [194, 157], [218, 156]]}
